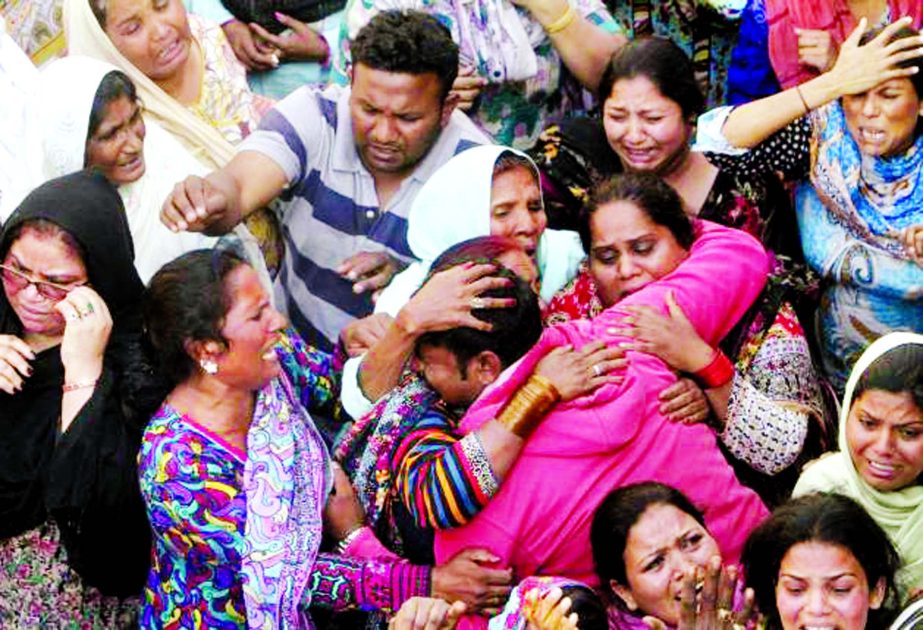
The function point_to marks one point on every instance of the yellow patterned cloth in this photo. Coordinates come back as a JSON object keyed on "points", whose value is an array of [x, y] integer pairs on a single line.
{"points": [[36, 26]]}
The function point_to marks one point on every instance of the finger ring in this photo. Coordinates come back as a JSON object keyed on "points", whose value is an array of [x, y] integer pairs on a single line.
{"points": [[597, 371], [89, 308], [477, 302], [724, 614]]}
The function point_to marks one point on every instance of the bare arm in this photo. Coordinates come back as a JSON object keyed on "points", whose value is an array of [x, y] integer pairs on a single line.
{"points": [[584, 47], [221, 200], [857, 69]]}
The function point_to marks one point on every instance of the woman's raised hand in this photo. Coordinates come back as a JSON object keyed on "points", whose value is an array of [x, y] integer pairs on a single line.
{"points": [[465, 577], [912, 238], [671, 338], [858, 68], [575, 373], [447, 299], [427, 613], [15, 355], [707, 601], [684, 401], [87, 325], [550, 611], [361, 334], [301, 42]]}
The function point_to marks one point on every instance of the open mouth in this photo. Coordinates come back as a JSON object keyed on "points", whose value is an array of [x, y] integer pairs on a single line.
{"points": [[872, 135], [170, 52]]}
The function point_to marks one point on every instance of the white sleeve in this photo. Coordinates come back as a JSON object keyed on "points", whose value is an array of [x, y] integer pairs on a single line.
{"points": [[709, 135]]}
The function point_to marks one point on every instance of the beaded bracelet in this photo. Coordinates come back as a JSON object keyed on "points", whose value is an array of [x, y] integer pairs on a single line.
{"points": [[69, 387], [717, 373], [562, 22]]}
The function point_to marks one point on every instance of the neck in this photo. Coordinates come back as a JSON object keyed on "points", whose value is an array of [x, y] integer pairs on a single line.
{"points": [[869, 9], [386, 185], [221, 408], [692, 178], [40, 342]]}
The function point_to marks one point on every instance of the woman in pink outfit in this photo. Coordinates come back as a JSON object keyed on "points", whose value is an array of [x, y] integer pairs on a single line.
{"points": [[539, 521]]}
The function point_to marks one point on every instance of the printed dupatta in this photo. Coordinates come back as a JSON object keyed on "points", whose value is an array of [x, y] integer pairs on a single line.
{"points": [[286, 481], [874, 198]]}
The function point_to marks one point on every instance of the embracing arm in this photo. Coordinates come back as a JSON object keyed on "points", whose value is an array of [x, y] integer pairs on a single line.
{"points": [[444, 481], [342, 583], [857, 69]]}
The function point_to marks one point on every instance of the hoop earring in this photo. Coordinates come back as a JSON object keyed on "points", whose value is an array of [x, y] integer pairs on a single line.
{"points": [[208, 366]]}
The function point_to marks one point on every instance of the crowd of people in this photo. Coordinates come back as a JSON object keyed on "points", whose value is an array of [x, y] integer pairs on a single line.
{"points": [[506, 314]]}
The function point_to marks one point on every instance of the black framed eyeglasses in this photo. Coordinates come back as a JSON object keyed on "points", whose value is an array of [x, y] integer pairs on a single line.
{"points": [[19, 280]]}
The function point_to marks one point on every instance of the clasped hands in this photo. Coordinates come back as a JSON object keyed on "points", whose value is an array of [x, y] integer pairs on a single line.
{"points": [[258, 49]]}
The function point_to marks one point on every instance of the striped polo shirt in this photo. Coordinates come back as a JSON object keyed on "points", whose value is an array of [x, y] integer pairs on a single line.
{"points": [[330, 209]]}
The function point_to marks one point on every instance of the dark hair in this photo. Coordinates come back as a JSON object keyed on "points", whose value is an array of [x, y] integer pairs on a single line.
{"points": [[590, 609], [410, 42], [897, 370], [47, 229], [507, 161], [187, 300], [825, 518], [98, 7], [913, 62], [615, 517], [664, 64], [514, 329], [651, 194], [114, 86]]}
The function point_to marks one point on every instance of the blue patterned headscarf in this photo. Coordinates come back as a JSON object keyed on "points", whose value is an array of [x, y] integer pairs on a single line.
{"points": [[873, 197]]}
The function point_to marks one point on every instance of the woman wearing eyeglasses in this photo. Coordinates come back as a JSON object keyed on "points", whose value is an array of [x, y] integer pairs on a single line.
{"points": [[75, 393]]}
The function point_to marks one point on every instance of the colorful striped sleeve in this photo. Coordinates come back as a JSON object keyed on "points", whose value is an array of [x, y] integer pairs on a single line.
{"points": [[443, 481], [342, 583]]}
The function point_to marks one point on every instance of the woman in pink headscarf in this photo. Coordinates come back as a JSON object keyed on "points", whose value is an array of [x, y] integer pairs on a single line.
{"points": [[538, 523], [805, 36]]}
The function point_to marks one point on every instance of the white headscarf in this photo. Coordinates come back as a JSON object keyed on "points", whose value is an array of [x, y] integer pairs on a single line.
{"points": [[17, 80], [59, 119], [899, 512], [454, 206]]}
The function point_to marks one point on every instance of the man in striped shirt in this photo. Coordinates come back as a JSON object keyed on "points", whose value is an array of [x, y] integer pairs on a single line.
{"points": [[348, 163]]}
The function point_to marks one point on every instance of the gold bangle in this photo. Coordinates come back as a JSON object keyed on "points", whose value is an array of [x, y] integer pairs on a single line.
{"points": [[525, 410], [801, 96], [564, 21]]}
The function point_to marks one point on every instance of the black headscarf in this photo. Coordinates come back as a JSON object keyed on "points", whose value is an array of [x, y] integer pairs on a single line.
{"points": [[89, 208], [86, 478]]}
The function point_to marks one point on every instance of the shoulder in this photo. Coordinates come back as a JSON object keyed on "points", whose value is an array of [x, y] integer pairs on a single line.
{"points": [[827, 473]]}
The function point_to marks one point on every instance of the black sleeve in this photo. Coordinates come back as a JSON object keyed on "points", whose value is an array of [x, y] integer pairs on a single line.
{"points": [[787, 151], [93, 494]]}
